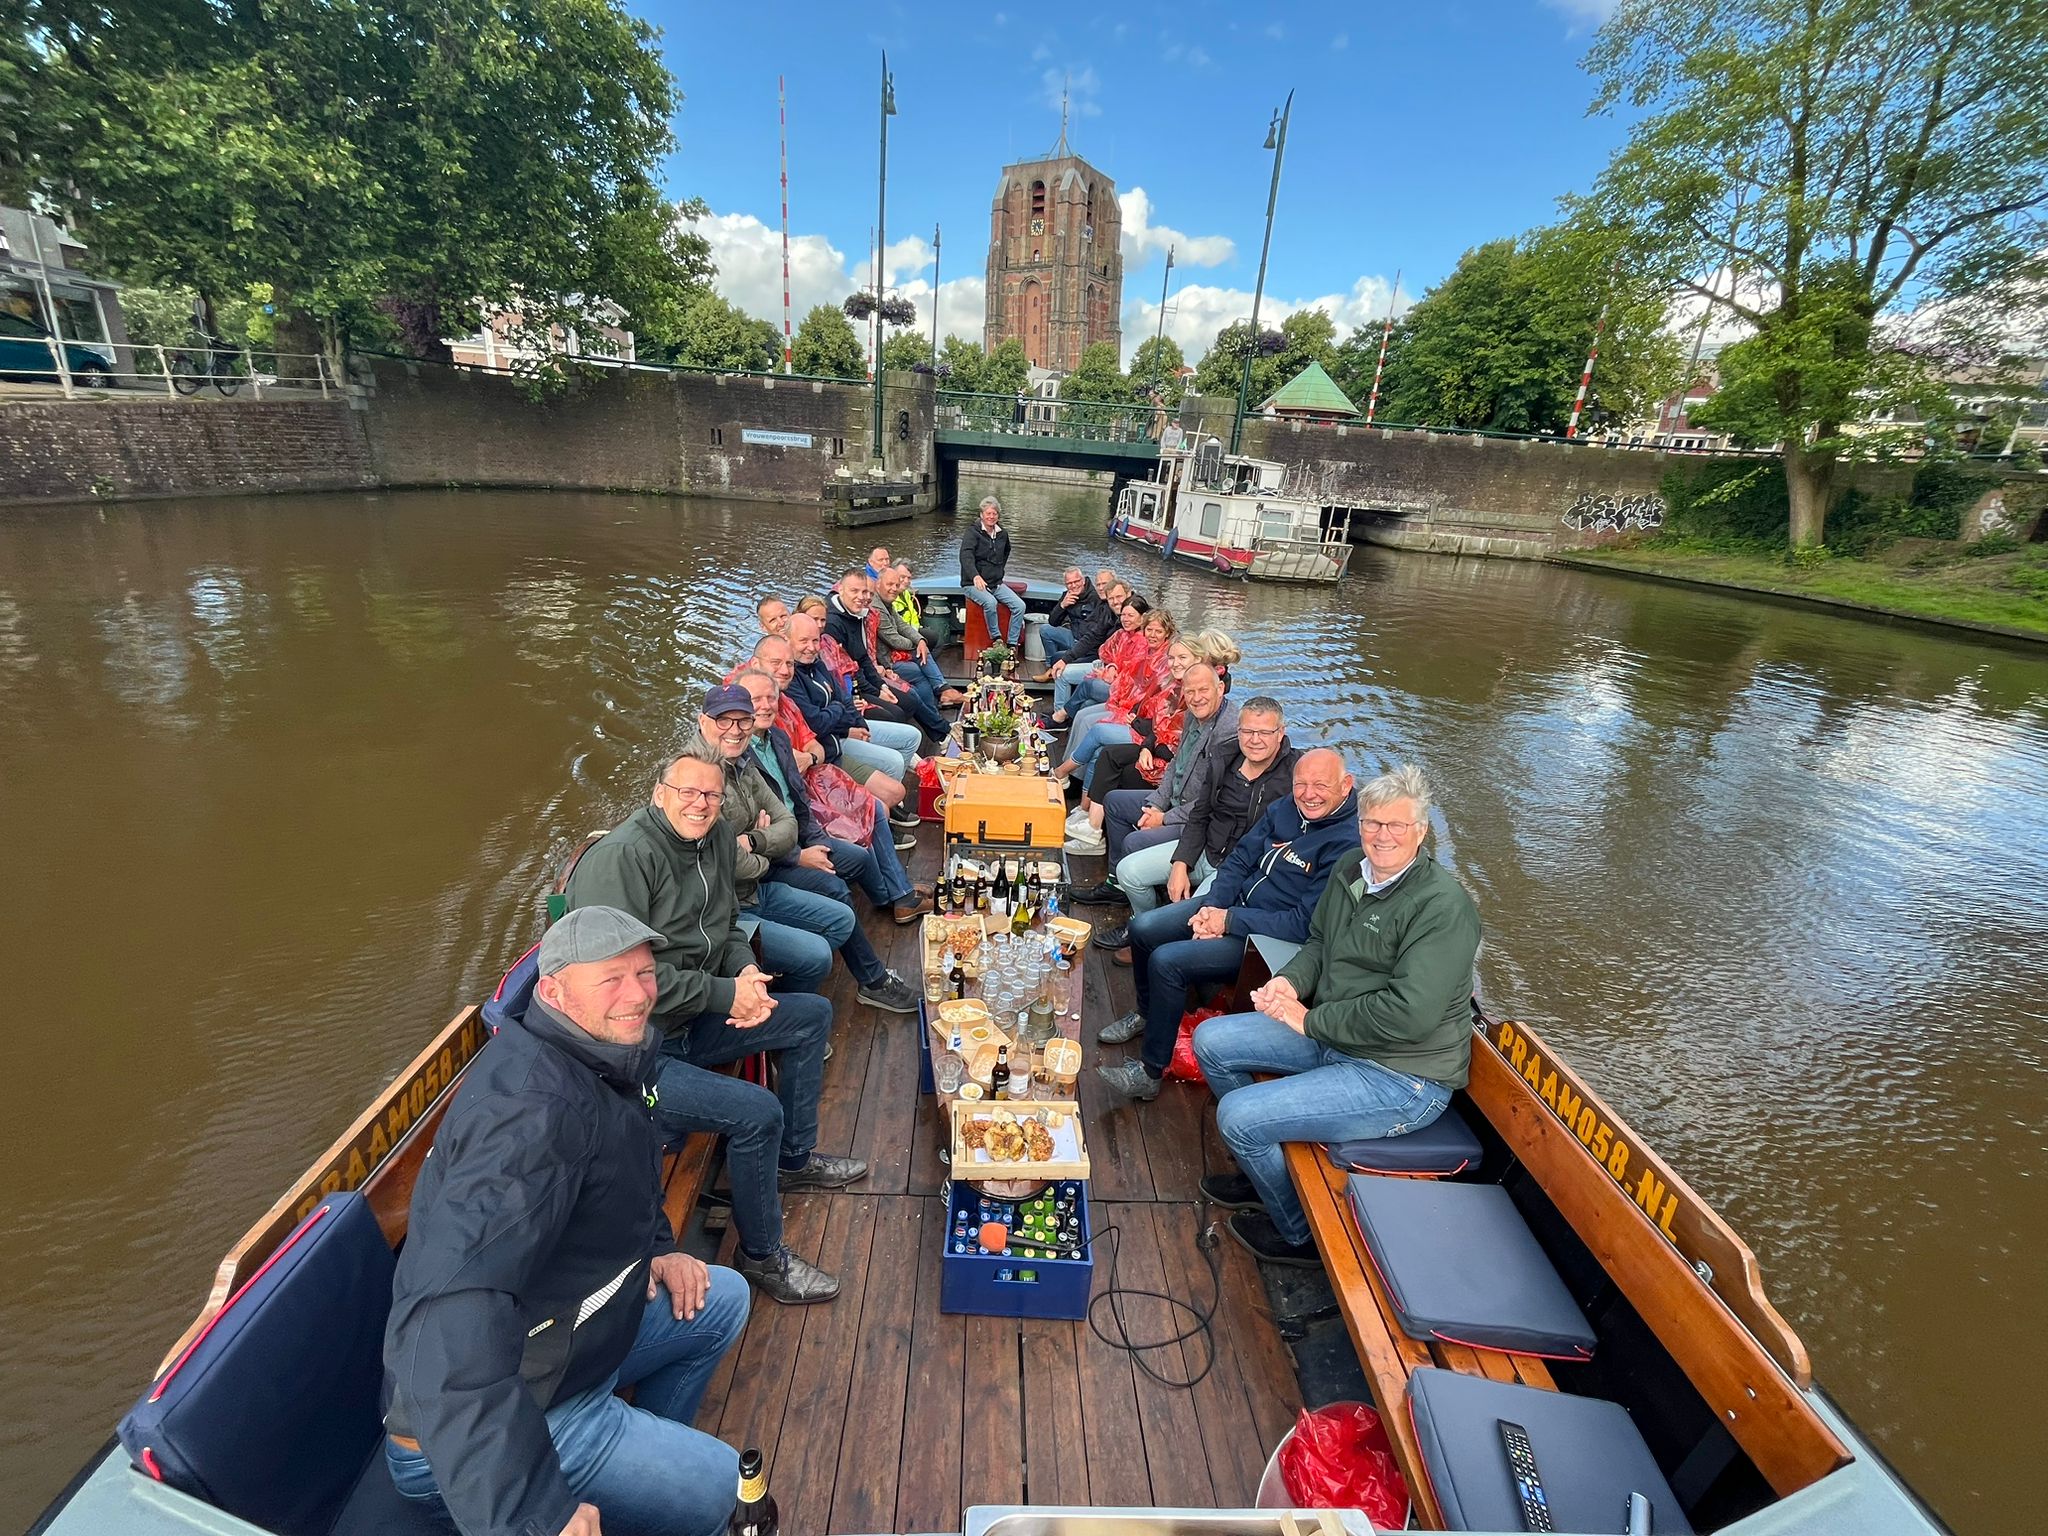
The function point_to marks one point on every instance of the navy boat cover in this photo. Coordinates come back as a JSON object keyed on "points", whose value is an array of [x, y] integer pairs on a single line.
{"points": [[1462, 1265]]}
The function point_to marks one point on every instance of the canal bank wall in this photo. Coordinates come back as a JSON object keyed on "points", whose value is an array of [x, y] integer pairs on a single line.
{"points": [[403, 424]]}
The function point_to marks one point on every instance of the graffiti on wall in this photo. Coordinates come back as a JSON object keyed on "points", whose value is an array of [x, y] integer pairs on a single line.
{"points": [[1594, 513]]}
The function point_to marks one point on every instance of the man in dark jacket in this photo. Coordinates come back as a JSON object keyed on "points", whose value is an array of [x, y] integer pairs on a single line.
{"points": [[1269, 884], [849, 727], [846, 620], [1074, 611], [539, 1274], [984, 555], [1366, 1032], [670, 864]]}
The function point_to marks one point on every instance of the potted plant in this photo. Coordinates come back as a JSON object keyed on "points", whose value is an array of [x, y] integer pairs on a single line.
{"points": [[998, 727], [997, 660]]}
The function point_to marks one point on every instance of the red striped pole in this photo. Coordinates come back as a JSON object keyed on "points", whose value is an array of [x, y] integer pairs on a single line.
{"points": [[1373, 405], [1586, 378], [788, 346]]}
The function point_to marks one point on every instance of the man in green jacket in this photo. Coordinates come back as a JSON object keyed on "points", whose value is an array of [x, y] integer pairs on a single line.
{"points": [[1365, 1032]]}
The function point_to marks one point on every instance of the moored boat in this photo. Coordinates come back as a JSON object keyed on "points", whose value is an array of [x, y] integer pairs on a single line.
{"points": [[1232, 514]]}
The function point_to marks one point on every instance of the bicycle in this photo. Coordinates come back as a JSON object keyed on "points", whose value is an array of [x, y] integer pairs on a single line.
{"points": [[211, 361]]}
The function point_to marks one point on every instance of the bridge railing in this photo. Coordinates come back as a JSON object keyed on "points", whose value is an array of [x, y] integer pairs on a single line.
{"points": [[1087, 420]]}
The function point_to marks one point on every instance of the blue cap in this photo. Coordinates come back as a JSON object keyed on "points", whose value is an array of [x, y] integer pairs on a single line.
{"points": [[728, 699]]}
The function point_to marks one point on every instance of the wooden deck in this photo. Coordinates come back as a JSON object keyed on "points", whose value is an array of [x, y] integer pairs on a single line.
{"points": [[879, 1413]]}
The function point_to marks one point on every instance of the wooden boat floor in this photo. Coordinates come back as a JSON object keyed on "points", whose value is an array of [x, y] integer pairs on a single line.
{"points": [[876, 1412]]}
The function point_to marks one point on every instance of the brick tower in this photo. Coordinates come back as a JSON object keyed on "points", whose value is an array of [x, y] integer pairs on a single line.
{"points": [[1055, 270]]}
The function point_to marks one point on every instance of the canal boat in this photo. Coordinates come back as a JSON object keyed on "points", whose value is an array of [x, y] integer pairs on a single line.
{"points": [[1670, 1369], [1233, 514]]}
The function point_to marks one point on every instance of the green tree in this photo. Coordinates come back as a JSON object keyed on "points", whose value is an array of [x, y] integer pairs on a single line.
{"points": [[1307, 335], [965, 364], [712, 333], [1008, 369], [906, 350], [1156, 366], [1847, 159], [826, 345], [395, 167], [1097, 377]]}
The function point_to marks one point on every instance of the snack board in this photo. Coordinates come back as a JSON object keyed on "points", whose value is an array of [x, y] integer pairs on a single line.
{"points": [[1021, 1130]]}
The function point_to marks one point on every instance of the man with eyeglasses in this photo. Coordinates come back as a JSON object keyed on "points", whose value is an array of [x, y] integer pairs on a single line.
{"points": [[800, 928], [1075, 610], [670, 865], [1366, 1032], [1270, 884]]}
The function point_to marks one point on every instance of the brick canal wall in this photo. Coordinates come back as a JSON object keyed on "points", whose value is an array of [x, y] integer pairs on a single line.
{"points": [[116, 447], [413, 425]]}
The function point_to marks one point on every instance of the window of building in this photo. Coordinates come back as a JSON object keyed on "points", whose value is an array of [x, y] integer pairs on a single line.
{"points": [[1212, 519], [718, 437], [838, 447], [1038, 197]]}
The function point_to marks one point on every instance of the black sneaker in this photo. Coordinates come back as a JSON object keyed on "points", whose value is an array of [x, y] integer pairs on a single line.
{"points": [[905, 815], [1255, 1230], [1107, 894], [892, 994], [1232, 1191], [1113, 938]]}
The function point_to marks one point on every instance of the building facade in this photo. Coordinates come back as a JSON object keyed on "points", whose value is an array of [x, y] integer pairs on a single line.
{"points": [[1055, 269]]}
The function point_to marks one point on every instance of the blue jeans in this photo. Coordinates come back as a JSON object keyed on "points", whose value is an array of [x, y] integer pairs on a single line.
{"points": [[1318, 1094], [1056, 639], [925, 682], [809, 925], [1120, 811], [641, 1464], [1166, 959], [750, 1118], [919, 702], [1091, 741], [796, 1032], [986, 598], [872, 754], [827, 886], [1086, 688], [1148, 859]]}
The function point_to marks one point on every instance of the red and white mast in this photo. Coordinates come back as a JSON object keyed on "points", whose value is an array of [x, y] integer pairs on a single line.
{"points": [[1372, 406], [788, 344], [1585, 379]]}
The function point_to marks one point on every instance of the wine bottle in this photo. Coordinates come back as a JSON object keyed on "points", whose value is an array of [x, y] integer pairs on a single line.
{"points": [[755, 1513]]}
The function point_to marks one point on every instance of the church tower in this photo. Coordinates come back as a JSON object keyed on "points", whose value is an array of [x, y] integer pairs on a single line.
{"points": [[1055, 268]]}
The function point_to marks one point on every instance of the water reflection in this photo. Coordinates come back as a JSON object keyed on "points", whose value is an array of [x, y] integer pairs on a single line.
{"points": [[1774, 879]]}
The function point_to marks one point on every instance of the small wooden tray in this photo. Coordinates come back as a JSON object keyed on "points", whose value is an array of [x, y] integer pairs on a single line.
{"points": [[967, 1165]]}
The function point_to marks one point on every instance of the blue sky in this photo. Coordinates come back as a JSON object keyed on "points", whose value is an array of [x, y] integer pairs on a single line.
{"points": [[1418, 131]]}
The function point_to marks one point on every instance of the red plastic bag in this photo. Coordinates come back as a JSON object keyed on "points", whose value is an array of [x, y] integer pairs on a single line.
{"points": [[843, 808], [1184, 1068], [1339, 1457]]}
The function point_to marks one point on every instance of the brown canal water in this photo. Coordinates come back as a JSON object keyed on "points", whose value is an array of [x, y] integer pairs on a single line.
{"points": [[280, 781]]}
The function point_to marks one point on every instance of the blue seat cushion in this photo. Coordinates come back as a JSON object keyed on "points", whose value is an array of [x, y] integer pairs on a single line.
{"points": [[1462, 1265], [1589, 1456], [1443, 1147], [271, 1411]]}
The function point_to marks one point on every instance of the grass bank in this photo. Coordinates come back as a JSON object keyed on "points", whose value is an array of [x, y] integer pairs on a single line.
{"points": [[1992, 584]]}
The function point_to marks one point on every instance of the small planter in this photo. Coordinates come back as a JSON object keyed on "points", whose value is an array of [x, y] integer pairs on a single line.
{"points": [[1000, 749]]}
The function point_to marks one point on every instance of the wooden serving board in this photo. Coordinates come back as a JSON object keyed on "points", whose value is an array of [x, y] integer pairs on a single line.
{"points": [[1068, 1137]]}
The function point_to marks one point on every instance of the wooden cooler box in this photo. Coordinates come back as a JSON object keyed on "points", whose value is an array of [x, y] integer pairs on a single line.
{"points": [[998, 810]]}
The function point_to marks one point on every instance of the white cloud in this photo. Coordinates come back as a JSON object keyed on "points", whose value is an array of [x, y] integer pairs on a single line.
{"points": [[1142, 238], [1041, 53], [1198, 311], [1074, 86], [1193, 55], [1583, 14]]}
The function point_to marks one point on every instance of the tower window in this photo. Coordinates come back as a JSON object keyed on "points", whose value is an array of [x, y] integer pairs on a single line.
{"points": [[1038, 197]]}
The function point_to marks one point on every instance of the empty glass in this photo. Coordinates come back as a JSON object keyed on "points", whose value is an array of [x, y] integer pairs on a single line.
{"points": [[948, 1070]]}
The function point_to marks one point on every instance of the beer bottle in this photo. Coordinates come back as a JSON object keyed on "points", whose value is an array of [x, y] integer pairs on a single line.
{"points": [[956, 979], [999, 1076], [755, 1513]]}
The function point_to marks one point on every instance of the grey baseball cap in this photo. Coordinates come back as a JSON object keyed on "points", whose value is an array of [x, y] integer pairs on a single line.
{"points": [[592, 933]]}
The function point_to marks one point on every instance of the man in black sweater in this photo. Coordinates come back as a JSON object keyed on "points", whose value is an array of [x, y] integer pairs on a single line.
{"points": [[984, 555], [1074, 613]]}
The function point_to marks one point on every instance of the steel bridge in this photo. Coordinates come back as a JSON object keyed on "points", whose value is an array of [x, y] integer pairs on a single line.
{"points": [[1077, 434]]}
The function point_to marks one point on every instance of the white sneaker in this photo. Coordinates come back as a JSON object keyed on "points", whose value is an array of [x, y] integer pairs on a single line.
{"points": [[1078, 822], [1088, 841]]}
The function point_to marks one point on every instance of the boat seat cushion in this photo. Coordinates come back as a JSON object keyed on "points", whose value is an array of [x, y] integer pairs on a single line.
{"points": [[1589, 1455], [271, 1411], [1462, 1266], [1443, 1147]]}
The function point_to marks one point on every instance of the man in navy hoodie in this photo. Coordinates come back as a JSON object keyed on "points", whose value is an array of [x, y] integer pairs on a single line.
{"points": [[1270, 884]]}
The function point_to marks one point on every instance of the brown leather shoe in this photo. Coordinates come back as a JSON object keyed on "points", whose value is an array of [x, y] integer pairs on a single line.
{"points": [[913, 906], [1045, 677], [1122, 957]]}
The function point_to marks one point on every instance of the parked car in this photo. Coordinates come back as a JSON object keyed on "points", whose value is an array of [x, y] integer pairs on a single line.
{"points": [[27, 354]]}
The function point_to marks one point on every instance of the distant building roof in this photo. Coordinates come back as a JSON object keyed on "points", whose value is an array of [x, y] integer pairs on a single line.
{"points": [[1311, 392]]}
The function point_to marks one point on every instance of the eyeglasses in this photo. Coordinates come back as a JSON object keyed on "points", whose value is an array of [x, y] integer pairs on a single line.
{"points": [[694, 796], [1373, 828], [1260, 732], [733, 725]]}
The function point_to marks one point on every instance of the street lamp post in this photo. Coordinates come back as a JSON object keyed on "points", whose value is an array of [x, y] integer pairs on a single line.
{"points": [[1160, 335], [935, 301], [881, 244], [1276, 140]]}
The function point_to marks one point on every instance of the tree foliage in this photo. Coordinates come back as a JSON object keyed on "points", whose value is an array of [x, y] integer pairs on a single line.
{"points": [[826, 345], [712, 333], [1156, 368], [1853, 162], [964, 364], [906, 350], [1006, 370], [1500, 343], [413, 160], [1304, 337], [1097, 376]]}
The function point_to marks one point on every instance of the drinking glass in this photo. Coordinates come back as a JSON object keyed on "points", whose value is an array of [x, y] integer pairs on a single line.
{"points": [[947, 1072], [934, 986]]}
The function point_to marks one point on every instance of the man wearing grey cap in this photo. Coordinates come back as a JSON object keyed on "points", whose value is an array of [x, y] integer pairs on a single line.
{"points": [[670, 864], [539, 1274]]}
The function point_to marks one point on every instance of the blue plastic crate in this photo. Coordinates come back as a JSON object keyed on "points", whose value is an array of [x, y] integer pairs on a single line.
{"points": [[1007, 1285], [925, 1084]]}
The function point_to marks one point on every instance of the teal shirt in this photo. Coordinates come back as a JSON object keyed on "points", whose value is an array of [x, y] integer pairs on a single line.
{"points": [[764, 754]]}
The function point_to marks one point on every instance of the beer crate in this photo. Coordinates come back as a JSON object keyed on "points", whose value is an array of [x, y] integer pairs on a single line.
{"points": [[1007, 1284]]}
